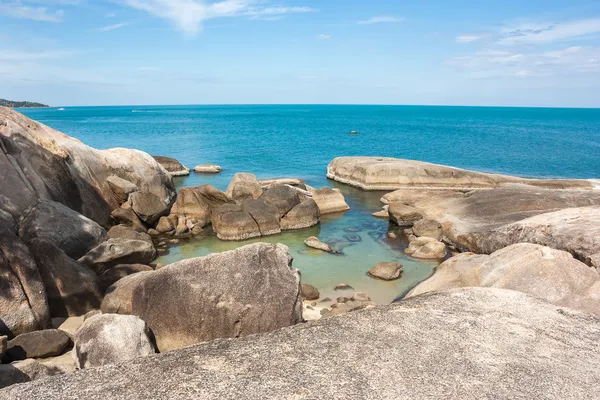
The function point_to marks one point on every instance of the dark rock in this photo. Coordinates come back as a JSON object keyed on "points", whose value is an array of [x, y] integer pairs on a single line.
{"points": [[111, 338], [38, 344], [165, 225], [282, 197], [3, 346], [309, 292], [67, 229], [126, 216], [265, 216], [121, 188], [8, 221], [304, 215], [72, 288], [388, 271], [118, 251], [118, 272], [148, 207]]}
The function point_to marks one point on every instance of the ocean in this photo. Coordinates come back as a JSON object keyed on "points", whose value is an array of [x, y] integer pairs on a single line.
{"points": [[300, 140]]}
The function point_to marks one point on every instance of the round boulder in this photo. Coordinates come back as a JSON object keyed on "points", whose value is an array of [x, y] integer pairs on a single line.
{"points": [[309, 292], [148, 207], [387, 271]]}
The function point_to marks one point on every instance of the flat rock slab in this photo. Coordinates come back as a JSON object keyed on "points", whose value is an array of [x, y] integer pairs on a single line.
{"points": [[464, 344]]}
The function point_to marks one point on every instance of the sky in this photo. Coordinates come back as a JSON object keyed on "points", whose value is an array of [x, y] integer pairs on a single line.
{"points": [[460, 52]]}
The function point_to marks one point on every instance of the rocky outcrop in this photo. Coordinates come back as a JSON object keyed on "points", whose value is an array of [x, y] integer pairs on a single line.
{"points": [[67, 229], [121, 188], [72, 288], [493, 343], [540, 271], [483, 221], [303, 215], [231, 294], [39, 344], [207, 169], [230, 222], [118, 251], [173, 167], [265, 216], [199, 203], [403, 215], [39, 163], [23, 302], [382, 173], [111, 338], [244, 186], [387, 271], [329, 200]]}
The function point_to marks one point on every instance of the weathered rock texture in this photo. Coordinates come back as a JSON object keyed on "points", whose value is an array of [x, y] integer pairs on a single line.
{"points": [[199, 202], [118, 251], [464, 344], [173, 167], [38, 344], [540, 271], [329, 200], [236, 293], [25, 371], [244, 186], [387, 271], [381, 173], [40, 163]]}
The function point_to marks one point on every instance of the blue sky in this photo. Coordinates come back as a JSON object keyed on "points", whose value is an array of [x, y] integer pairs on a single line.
{"points": [[461, 52]]}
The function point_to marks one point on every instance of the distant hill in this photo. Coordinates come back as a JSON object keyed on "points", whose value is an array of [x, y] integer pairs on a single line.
{"points": [[21, 104]]}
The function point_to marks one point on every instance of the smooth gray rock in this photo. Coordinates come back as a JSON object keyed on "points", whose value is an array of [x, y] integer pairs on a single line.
{"points": [[249, 290], [387, 271], [72, 288], [111, 338], [38, 344], [67, 229], [121, 188], [148, 207], [23, 302], [462, 344], [118, 251], [173, 167]]}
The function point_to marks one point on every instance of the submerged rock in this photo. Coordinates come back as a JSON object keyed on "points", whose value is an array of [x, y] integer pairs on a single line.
{"points": [[387, 271], [315, 243], [173, 167]]}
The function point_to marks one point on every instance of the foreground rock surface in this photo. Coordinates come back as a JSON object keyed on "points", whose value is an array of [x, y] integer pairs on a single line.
{"points": [[481, 343], [546, 273], [249, 290]]}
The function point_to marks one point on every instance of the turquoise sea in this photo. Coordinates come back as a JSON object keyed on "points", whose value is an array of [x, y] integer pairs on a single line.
{"points": [[300, 140]]}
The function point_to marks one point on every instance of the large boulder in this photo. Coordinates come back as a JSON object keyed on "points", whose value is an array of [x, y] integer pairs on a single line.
{"points": [[282, 197], [119, 295], [23, 302], [199, 202], [244, 186], [119, 272], [126, 216], [265, 215], [230, 222], [426, 248], [329, 200], [72, 288], [128, 233], [173, 167], [148, 207], [387, 271], [460, 344], [40, 163], [249, 290], [118, 251], [25, 371], [303, 215], [8, 221], [67, 229], [38, 344], [111, 338], [403, 215], [540, 271], [384, 173], [121, 188]]}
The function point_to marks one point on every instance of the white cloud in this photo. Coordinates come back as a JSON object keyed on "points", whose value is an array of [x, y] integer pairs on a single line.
{"points": [[324, 36], [469, 38], [113, 27], [21, 56], [543, 33], [381, 20], [188, 15], [18, 9]]}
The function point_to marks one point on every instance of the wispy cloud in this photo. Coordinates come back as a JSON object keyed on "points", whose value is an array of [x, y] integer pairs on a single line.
{"points": [[541, 33], [381, 20], [324, 36], [469, 38], [20, 56], [27, 10], [113, 27], [188, 15]]}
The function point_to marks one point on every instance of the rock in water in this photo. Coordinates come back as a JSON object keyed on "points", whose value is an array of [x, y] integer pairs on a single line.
{"points": [[309, 292], [429, 228], [244, 186], [282, 197], [329, 200], [72, 288], [387, 271], [230, 222], [472, 337], [236, 293], [549, 274], [39, 344], [208, 169], [23, 302], [315, 243], [67, 229], [173, 167], [403, 215], [39, 163], [199, 202], [304, 215], [148, 207], [118, 251], [265, 216], [111, 338]]}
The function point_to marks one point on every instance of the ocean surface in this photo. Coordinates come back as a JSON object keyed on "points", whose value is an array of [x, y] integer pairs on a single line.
{"points": [[300, 140]]}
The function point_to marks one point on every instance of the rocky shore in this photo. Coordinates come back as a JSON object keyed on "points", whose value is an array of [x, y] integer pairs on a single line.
{"points": [[511, 311]]}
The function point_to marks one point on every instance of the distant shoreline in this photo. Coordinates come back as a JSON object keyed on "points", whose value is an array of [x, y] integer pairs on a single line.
{"points": [[22, 104]]}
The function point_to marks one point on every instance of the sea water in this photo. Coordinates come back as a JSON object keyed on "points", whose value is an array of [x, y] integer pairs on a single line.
{"points": [[300, 140]]}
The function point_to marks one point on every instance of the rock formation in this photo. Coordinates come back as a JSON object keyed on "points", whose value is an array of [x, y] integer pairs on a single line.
{"points": [[173, 167]]}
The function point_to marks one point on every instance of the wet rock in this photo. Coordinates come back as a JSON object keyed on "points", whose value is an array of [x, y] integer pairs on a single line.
{"points": [[71, 288], [404, 215], [315, 243], [304, 215], [387, 271], [127, 232], [173, 167], [121, 188], [284, 198], [231, 223], [429, 228], [111, 338], [329, 200], [118, 251], [207, 169], [309, 292], [118, 272], [244, 186], [265, 216], [148, 207], [67, 229], [38, 344]]}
